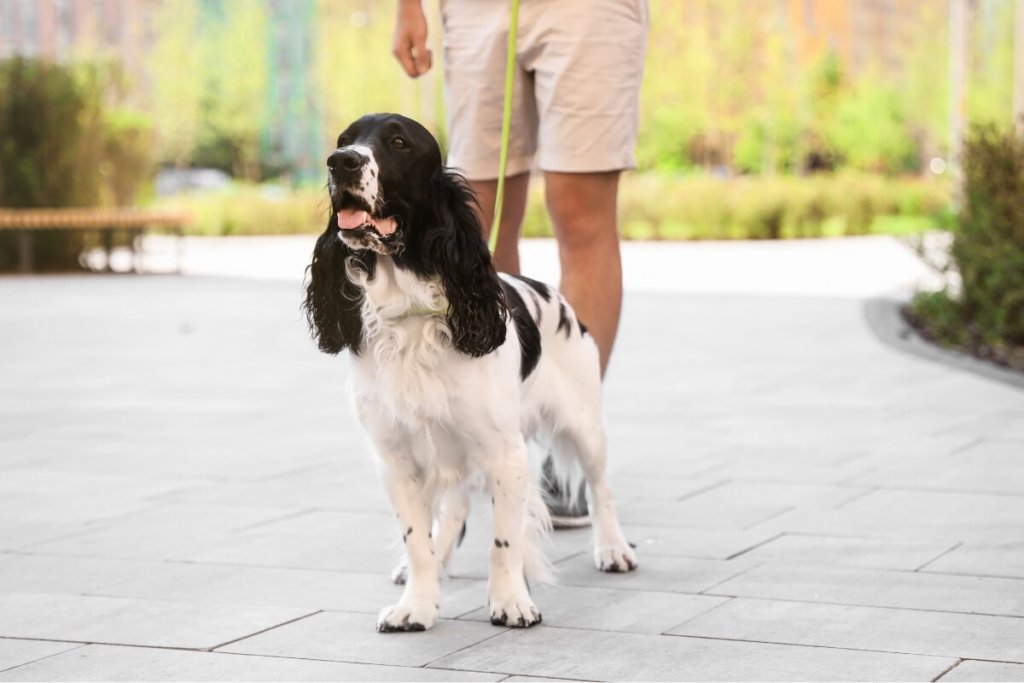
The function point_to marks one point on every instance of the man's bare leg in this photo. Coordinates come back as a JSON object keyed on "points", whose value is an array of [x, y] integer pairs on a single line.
{"points": [[583, 209], [506, 256]]}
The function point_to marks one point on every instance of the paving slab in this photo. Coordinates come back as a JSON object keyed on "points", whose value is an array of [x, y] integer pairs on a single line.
{"points": [[112, 663], [600, 656], [656, 573], [91, 619], [344, 637], [918, 515], [908, 631], [982, 559], [277, 587], [878, 588], [69, 575], [985, 671], [15, 653], [867, 553], [606, 609], [160, 531]]}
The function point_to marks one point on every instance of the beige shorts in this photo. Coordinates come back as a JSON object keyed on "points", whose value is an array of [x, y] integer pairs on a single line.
{"points": [[577, 86]]}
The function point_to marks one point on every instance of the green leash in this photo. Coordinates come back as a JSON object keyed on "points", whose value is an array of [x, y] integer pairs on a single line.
{"points": [[506, 124]]}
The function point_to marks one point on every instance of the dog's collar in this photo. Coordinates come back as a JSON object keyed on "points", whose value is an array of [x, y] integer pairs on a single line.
{"points": [[423, 312]]}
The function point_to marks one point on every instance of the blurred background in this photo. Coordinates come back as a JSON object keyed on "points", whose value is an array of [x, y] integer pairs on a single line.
{"points": [[760, 119]]}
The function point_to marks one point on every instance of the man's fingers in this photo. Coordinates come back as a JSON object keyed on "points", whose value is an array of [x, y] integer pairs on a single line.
{"points": [[403, 53], [423, 59]]}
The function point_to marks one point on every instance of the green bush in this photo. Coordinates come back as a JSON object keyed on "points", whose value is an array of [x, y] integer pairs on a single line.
{"points": [[250, 209], [986, 314], [652, 206], [62, 145], [659, 206]]}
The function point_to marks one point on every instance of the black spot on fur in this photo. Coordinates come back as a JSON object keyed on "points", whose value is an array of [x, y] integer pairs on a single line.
{"points": [[538, 287], [506, 543], [563, 319], [583, 328], [529, 335], [408, 532], [497, 543], [462, 534]]}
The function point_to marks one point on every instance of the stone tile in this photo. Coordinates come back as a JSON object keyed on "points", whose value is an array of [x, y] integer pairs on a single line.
{"points": [[917, 515], [322, 487], [735, 505], [867, 587], [111, 663], [985, 671], [160, 532], [982, 559], [655, 573], [986, 466], [941, 634], [132, 622], [338, 636], [319, 539], [600, 656], [299, 588], [15, 653], [605, 609], [708, 544], [54, 574], [868, 553]]}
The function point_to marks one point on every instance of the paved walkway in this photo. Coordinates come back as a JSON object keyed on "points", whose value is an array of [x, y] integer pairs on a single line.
{"points": [[184, 493]]}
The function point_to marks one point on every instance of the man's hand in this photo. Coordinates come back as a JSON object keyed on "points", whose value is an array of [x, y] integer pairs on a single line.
{"points": [[410, 44]]}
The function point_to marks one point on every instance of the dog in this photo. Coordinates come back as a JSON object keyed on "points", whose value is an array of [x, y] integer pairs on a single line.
{"points": [[455, 367]]}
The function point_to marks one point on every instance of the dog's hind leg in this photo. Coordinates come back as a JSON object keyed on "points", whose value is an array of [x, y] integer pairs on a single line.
{"points": [[421, 600], [448, 531], [586, 441]]}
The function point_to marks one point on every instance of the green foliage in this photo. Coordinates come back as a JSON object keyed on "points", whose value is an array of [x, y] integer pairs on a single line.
{"points": [[988, 247], [653, 206], [658, 206], [250, 209], [66, 142], [986, 315]]}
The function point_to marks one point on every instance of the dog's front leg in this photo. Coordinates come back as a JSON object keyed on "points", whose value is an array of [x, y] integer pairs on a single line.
{"points": [[417, 610], [509, 596]]}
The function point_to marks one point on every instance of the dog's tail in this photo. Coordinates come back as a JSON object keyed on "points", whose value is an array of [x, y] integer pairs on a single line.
{"points": [[536, 564]]}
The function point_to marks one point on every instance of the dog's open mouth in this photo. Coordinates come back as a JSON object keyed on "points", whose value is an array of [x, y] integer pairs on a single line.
{"points": [[356, 217]]}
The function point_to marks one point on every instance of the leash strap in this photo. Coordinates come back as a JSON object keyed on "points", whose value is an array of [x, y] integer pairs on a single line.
{"points": [[506, 124]]}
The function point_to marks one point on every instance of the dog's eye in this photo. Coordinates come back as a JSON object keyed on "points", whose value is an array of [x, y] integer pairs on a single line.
{"points": [[398, 142]]}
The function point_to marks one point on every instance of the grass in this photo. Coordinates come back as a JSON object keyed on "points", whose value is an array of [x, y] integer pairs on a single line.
{"points": [[652, 207]]}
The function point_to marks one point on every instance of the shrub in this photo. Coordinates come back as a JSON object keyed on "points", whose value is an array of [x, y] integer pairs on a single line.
{"points": [[988, 252], [61, 146]]}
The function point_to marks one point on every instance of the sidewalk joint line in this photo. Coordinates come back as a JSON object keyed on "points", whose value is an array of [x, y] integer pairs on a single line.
{"points": [[270, 628], [938, 557], [948, 669]]}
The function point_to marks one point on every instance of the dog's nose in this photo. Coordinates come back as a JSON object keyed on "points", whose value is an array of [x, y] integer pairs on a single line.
{"points": [[344, 160]]}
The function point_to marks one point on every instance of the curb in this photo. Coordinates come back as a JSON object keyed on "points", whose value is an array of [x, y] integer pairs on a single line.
{"points": [[885, 320]]}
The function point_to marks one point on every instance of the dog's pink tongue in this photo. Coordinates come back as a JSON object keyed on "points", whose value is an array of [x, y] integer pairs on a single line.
{"points": [[350, 219]]}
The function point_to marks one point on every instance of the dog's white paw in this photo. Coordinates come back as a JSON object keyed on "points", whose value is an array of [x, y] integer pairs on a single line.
{"points": [[399, 574], [615, 557], [515, 611], [408, 615]]}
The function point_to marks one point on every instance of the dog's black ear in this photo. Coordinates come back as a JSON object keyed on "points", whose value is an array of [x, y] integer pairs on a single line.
{"points": [[476, 304], [333, 301]]}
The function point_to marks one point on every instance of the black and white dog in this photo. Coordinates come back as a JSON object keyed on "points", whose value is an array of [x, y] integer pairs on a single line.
{"points": [[454, 368]]}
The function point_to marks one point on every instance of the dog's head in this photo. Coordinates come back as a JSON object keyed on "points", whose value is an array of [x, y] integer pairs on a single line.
{"points": [[392, 197], [380, 174]]}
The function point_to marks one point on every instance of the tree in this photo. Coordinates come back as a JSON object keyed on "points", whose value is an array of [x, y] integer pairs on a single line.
{"points": [[178, 72]]}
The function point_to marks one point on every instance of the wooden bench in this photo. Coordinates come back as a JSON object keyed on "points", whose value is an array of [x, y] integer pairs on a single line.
{"points": [[134, 221]]}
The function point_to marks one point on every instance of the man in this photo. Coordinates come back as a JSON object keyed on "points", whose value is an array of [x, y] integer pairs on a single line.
{"points": [[579, 64]]}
